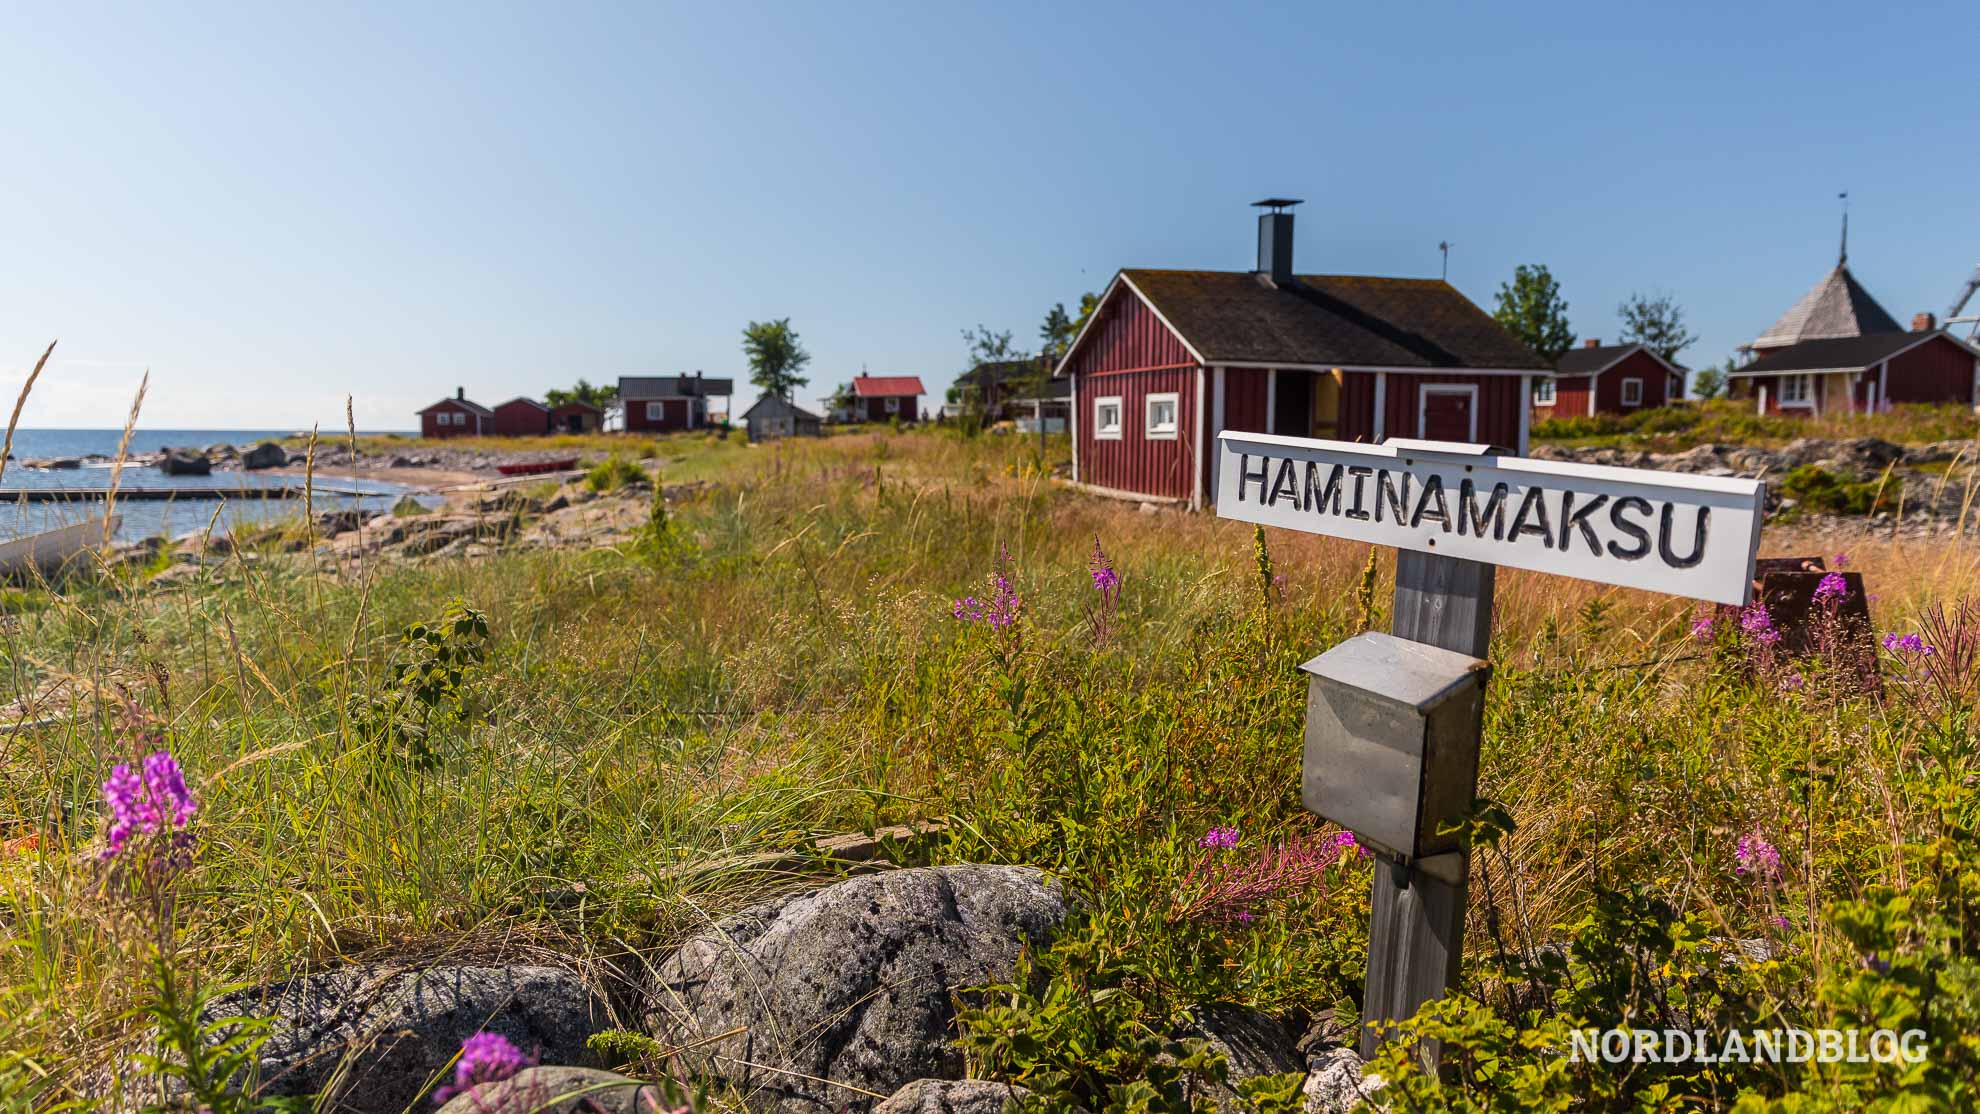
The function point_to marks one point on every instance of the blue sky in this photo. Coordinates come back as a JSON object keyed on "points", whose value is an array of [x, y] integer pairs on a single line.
{"points": [[274, 206]]}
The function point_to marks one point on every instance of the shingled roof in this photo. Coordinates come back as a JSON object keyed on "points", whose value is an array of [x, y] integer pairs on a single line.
{"points": [[1838, 353], [1837, 307], [1238, 317], [1587, 360], [887, 386]]}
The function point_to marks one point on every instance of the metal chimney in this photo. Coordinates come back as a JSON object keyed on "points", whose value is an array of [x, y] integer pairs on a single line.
{"points": [[1275, 239]]}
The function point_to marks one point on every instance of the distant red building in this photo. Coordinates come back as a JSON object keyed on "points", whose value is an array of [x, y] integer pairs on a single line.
{"points": [[520, 417], [576, 417], [880, 398], [1606, 379], [455, 417], [665, 403], [1837, 350], [1171, 358]]}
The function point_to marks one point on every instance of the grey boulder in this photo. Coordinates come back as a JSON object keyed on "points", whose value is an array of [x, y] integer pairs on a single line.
{"points": [[827, 1000], [184, 462], [952, 1096], [1336, 1084], [1252, 1042], [561, 1091], [265, 455], [375, 1039]]}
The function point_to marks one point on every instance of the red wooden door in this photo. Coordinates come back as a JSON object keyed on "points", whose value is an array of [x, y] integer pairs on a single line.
{"points": [[1447, 415]]}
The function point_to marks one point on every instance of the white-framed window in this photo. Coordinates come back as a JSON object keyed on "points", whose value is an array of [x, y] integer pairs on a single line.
{"points": [[1164, 416], [449, 417], [655, 411], [1797, 390], [1543, 391], [1632, 392], [893, 405], [1107, 418]]}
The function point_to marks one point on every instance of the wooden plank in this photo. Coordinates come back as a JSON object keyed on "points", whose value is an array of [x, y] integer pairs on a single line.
{"points": [[1416, 911]]}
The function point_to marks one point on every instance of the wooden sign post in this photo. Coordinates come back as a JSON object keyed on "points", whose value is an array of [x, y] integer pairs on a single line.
{"points": [[1394, 721]]}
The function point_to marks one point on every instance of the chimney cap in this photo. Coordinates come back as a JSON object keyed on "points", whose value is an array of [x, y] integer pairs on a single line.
{"points": [[1276, 204], [1592, 342], [1924, 322]]}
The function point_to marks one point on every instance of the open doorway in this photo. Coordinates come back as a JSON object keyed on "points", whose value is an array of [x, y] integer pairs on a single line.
{"points": [[1292, 404], [1327, 405]]}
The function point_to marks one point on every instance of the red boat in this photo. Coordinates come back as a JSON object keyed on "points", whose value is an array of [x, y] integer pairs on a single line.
{"points": [[537, 467]]}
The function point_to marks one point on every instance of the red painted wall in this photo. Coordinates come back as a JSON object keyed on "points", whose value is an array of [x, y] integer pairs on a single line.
{"points": [[1157, 468], [1499, 404], [561, 419], [519, 419], [875, 409], [1638, 365], [429, 422], [673, 415], [1570, 400], [1244, 399], [1130, 353], [1936, 371], [1357, 406]]}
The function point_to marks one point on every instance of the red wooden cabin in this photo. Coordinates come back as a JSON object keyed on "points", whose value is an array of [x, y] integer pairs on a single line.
{"points": [[576, 417], [881, 398], [1606, 379], [665, 403], [1838, 351], [520, 417], [1171, 358], [454, 417]]}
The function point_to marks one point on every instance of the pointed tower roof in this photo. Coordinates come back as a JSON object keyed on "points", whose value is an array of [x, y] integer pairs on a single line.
{"points": [[1837, 307]]}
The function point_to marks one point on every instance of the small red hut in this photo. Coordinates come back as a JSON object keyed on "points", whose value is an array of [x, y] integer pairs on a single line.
{"points": [[455, 417], [1169, 359], [521, 417], [881, 398], [1606, 379]]}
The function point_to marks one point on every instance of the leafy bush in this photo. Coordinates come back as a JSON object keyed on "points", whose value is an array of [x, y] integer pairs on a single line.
{"points": [[1819, 489], [614, 472]]}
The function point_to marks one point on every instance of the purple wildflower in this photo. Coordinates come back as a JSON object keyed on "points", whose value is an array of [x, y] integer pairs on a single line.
{"points": [[485, 1058], [1877, 963], [1780, 922], [1907, 644], [1754, 620], [1791, 682], [1832, 589], [1840, 561], [1701, 627], [1344, 842], [145, 805], [1757, 856], [1001, 609], [1221, 838]]}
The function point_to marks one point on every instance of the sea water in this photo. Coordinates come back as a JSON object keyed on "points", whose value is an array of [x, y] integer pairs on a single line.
{"points": [[183, 514]]}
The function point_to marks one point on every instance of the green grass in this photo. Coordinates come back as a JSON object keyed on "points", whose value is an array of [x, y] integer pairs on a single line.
{"points": [[1727, 421], [789, 665]]}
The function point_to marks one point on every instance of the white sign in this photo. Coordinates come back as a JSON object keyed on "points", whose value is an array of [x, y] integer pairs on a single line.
{"points": [[1666, 532]]}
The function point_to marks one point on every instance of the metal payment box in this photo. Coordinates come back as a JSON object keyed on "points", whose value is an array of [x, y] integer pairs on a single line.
{"points": [[1392, 741]]}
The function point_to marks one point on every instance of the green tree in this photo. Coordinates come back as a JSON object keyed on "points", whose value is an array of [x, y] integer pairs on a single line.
{"points": [[775, 357], [1656, 322], [842, 397], [1532, 309], [1057, 333], [1088, 302], [1710, 382], [602, 396]]}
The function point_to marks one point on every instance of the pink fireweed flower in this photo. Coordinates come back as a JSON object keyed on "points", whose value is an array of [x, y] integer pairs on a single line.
{"points": [[1219, 839], [1105, 580], [1840, 561], [1907, 644], [145, 804], [485, 1058], [1832, 589], [1755, 856], [1001, 610], [1701, 628], [1232, 888], [1345, 842]]}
